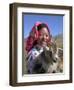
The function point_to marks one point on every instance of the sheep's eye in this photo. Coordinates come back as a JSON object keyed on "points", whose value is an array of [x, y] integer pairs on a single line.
{"points": [[50, 53]]}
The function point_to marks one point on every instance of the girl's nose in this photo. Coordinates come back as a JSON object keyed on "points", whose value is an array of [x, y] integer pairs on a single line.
{"points": [[44, 37]]}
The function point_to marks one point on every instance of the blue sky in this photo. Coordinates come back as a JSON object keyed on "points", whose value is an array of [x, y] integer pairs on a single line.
{"points": [[55, 23]]}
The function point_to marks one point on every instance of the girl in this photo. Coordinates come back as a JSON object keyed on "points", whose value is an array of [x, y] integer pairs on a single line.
{"points": [[38, 40]]}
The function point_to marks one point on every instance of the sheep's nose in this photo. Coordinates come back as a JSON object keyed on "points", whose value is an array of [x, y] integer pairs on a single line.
{"points": [[42, 70], [54, 71]]}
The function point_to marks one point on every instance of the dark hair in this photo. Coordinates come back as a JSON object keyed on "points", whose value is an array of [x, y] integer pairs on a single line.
{"points": [[42, 25]]}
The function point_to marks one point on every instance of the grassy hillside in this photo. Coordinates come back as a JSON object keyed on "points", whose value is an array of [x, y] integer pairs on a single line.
{"points": [[59, 40]]}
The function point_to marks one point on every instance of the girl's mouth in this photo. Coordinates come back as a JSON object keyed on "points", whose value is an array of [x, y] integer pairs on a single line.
{"points": [[44, 43]]}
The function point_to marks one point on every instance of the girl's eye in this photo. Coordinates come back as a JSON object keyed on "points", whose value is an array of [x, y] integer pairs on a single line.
{"points": [[46, 35]]}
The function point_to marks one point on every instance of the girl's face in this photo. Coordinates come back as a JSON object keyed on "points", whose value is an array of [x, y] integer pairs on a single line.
{"points": [[43, 37]]}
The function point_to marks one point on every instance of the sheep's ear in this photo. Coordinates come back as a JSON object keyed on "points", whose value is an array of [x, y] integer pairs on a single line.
{"points": [[60, 52], [50, 53], [54, 48]]}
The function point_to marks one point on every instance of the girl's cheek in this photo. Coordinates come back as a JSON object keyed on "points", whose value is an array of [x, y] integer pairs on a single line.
{"points": [[40, 38]]}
